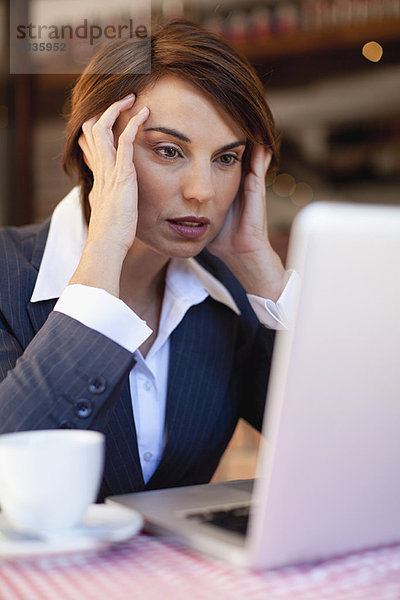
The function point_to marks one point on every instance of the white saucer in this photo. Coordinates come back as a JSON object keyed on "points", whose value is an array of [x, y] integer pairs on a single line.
{"points": [[102, 526]]}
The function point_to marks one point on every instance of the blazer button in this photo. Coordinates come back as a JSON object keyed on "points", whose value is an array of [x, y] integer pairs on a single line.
{"points": [[97, 385], [83, 408]]}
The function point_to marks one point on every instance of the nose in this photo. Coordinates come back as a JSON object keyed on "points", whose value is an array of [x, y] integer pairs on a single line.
{"points": [[198, 183]]}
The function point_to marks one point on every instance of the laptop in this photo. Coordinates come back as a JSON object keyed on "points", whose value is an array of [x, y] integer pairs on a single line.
{"points": [[328, 469]]}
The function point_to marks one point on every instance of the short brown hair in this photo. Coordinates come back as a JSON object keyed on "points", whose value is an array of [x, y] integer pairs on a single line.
{"points": [[179, 48]]}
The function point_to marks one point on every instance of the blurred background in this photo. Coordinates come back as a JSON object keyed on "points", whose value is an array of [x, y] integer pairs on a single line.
{"points": [[331, 71]]}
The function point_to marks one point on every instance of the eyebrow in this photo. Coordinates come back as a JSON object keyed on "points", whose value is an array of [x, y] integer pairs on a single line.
{"points": [[184, 138]]}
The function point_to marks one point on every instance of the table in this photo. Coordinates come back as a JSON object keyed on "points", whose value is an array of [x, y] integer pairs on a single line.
{"points": [[149, 568]]}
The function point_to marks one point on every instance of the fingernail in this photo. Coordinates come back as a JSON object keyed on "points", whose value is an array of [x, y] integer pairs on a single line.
{"points": [[143, 110], [128, 97]]}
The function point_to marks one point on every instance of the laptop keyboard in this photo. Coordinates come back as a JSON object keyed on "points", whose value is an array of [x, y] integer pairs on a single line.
{"points": [[233, 519]]}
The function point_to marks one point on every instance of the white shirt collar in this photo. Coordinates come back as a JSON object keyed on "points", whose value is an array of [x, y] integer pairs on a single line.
{"points": [[63, 250]]}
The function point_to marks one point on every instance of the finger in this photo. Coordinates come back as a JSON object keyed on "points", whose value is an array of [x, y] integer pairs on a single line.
{"points": [[257, 163], [254, 183], [87, 143], [100, 134], [109, 116], [260, 159], [87, 132], [87, 128], [267, 161], [124, 160]]}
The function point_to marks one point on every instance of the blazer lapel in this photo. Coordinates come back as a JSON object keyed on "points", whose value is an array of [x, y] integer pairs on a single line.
{"points": [[39, 311], [199, 371]]}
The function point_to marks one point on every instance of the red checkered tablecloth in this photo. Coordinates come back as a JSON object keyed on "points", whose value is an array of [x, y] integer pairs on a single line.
{"points": [[148, 568]]}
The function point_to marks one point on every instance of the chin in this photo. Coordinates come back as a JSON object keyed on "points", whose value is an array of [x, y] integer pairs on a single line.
{"points": [[187, 254], [185, 250], [179, 250]]}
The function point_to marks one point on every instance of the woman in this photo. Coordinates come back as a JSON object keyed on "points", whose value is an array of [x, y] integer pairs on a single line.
{"points": [[161, 351]]}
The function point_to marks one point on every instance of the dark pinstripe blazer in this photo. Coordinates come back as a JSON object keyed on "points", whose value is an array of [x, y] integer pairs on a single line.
{"points": [[56, 372]]}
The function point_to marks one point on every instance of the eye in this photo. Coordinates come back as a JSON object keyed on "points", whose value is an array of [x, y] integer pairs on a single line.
{"points": [[168, 152], [228, 159]]}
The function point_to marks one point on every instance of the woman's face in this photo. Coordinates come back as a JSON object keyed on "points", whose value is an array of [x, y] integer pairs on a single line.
{"points": [[187, 157]]}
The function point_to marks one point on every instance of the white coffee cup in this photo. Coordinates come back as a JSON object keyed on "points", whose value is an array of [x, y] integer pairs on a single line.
{"points": [[49, 478]]}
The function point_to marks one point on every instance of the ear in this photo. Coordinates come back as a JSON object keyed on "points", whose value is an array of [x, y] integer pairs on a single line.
{"points": [[85, 149]]}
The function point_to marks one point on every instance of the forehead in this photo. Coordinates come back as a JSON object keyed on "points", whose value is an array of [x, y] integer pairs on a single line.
{"points": [[178, 103]]}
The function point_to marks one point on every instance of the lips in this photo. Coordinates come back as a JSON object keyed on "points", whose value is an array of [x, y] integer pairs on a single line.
{"points": [[189, 227]]}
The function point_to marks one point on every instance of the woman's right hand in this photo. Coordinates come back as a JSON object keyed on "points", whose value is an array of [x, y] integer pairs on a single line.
{"points": [[113, 198]]}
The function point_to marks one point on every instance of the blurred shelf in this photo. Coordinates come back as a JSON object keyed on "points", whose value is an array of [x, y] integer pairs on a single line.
{"points": [[336, 100], [316, 79], [60, 82], [285, 45], [278, 46]]}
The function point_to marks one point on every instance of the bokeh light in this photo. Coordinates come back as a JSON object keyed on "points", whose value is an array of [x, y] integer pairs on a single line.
{"points": [[302, 194], [270, 178], [284, 184], [372, 51]]}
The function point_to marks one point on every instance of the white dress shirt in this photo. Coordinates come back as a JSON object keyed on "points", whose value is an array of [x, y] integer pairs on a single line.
{"points": [[187, 283]]}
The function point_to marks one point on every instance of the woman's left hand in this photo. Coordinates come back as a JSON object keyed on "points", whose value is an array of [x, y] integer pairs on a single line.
{"points": [[243, 242]]}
